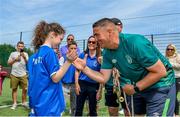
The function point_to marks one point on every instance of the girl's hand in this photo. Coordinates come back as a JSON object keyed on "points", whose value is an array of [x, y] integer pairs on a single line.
{"points": [[71, 56]]}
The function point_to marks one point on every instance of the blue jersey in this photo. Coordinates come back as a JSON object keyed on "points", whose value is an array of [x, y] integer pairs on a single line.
{"points": [[91, 63], [69, 77], [46, 97]]}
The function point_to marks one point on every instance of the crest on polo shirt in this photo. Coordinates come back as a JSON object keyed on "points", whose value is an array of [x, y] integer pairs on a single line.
{"points": [[114, 61], [129, 59]]}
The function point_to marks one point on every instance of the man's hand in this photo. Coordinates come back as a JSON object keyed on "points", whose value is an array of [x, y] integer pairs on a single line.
{"points": [[129, 89], [17, 59], [98, 95], [80, 64], [22, 54]]}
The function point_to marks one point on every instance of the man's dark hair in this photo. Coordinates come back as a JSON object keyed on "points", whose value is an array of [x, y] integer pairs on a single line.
{"points": [[20, 42], [102, 22]]}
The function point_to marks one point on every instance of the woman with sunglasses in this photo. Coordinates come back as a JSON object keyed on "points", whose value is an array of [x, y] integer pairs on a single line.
{"points": [[86, 87], [174, 59]]}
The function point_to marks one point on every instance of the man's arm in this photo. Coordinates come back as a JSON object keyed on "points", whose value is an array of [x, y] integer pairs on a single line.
{"points": [[12, 61], [156, 72], [24, 56], [101, 77]]}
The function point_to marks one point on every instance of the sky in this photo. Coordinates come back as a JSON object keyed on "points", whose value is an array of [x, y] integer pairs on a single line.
{"points": [[77, 16]]}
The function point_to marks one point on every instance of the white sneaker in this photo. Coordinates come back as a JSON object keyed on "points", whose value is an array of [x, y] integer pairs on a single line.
{"points": [[14, 106], [121, 112], [25, 105]]}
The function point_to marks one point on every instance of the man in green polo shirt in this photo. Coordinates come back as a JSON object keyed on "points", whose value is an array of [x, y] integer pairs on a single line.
{"points": [[111, 98], [145, 72]]}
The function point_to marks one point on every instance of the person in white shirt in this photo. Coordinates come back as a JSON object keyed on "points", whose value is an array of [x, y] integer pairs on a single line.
{"points": [[18, 61]]}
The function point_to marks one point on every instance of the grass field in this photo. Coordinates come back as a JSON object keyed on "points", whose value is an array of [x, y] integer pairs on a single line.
{"points": [[6, 99]]}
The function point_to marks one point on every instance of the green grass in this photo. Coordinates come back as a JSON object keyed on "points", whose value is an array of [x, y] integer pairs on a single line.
{"points": [[6, 99]]}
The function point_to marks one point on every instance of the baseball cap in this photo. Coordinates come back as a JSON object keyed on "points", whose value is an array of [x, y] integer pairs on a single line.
{"points": [[116, 21]]}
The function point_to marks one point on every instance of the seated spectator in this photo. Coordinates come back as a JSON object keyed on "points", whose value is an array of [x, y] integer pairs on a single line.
{"points": [[174, 59]]}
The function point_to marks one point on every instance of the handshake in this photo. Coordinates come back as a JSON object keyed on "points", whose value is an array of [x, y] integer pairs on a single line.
{"points": [[79, 63]]}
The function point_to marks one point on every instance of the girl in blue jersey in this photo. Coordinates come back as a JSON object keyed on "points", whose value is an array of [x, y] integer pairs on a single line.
{"points": [[44, 90], [86, 87]]}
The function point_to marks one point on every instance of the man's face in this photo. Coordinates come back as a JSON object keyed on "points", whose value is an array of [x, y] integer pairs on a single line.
{"points": [[72, 48], [102, 36], [20, 47], [70, 39]]}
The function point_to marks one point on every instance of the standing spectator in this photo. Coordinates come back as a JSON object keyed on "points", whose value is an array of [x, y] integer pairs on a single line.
{"points": [[45, 89], [3, 74], [174, 58], [67, 84], [145, 72], [86, 87], [18, 61], [69, 79], [64, 49]]}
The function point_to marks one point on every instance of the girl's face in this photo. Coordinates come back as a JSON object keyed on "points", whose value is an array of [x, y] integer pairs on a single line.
{"points": [[92, 43], [170, 50], [72, 48], [57, 39]]}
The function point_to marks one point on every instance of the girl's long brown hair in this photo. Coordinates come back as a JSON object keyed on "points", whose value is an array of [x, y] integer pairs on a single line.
{"points": [[42, 30]]}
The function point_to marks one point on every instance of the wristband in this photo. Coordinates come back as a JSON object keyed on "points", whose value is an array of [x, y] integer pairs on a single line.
{"points": [[136, 89]]}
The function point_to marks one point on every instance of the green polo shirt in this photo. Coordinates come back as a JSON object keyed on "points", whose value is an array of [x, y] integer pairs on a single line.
{"points": [[134, 54]]}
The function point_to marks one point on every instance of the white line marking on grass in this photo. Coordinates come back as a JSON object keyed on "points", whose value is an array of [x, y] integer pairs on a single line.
{"points": [[5, 106]]}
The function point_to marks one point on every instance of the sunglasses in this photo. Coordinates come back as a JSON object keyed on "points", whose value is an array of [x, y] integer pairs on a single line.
{"points": [[93, 42], [70, 39], [169, 49]]}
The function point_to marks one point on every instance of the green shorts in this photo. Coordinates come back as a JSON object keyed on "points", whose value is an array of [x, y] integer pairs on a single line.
{"points": [[21, 81]]}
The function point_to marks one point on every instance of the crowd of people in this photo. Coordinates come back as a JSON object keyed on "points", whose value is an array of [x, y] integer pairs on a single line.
{"points": [[149, 80]]}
